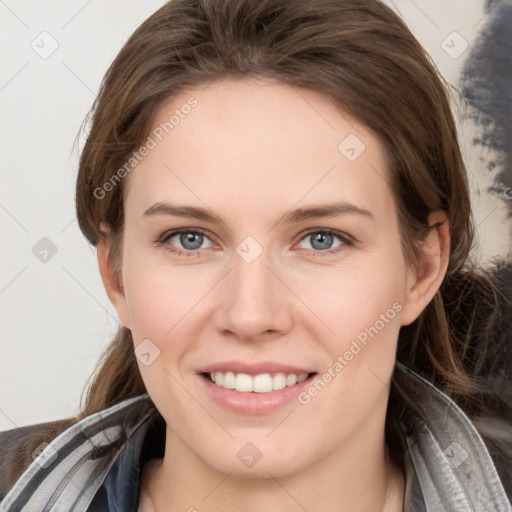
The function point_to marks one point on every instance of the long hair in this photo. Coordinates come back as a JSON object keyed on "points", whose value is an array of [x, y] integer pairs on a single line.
{"points": [[362, 56]]}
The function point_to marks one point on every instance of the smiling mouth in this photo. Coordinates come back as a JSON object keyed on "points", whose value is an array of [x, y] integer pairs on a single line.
{"points": [[260, 383]]}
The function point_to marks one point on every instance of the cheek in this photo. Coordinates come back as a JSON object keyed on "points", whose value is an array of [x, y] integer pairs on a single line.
{"points": [[365, 315], [147, 302], [357, 302], [361, 307], [160, 297], [166, 306], [160, 302]]}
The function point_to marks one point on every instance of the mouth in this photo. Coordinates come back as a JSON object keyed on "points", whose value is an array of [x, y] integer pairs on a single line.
{"points": [[257, 383], [251, 387]]}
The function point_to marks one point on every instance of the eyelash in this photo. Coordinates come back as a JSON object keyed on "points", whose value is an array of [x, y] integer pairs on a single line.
{"points": [[344, 238]]}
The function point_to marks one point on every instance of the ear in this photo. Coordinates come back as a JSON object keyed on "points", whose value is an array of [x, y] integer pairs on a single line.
{"points": [[112, 282], [423, 283]]}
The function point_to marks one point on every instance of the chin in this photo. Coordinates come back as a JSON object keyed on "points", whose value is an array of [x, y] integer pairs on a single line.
{"points": [[246, 459]]}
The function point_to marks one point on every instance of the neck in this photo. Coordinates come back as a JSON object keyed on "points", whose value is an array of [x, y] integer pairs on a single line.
{"points": [[184, 482]]}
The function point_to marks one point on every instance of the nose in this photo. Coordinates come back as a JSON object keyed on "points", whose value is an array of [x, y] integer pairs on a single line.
{"points": [[254, 304]]}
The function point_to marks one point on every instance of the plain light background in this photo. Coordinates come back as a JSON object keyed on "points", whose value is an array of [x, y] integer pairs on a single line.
{"points": [[55, 318]]}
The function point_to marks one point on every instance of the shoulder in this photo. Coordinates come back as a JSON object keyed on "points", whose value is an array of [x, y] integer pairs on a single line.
{"points": [[451, 460], [20, 446], [77, 462]]}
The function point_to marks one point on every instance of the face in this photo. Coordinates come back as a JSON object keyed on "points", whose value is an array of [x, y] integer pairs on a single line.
{"points": [[262, 248]]}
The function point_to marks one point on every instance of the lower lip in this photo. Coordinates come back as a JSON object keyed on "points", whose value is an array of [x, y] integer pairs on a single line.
{"points": [[253, 403]]}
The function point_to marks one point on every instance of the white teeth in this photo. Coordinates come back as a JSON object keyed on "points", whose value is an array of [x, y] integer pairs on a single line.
{"points": [[243, 382], [229, 380], [291, 379], [261, 383], [279, 381]]}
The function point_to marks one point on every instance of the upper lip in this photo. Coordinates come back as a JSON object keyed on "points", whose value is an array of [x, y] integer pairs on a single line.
{"points": [[254, 368]]}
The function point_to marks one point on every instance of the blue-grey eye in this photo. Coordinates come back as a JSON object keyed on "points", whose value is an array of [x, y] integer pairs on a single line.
{"points": [[191, 241], [188, 240], [322, 240]]}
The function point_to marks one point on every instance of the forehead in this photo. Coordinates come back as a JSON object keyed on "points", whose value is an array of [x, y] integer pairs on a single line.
{"points": [[238, 143]]}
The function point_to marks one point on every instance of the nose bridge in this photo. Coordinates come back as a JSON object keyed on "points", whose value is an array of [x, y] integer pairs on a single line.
{"points": [[251, 281], [255, 300], [251, 277]]}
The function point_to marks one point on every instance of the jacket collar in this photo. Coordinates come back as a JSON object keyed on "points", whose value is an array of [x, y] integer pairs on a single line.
{"points": [[448, 465], [96, 465]]}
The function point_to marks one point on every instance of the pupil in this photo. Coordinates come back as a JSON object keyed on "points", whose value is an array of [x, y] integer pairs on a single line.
{"points": [[191, 241], [324, 239]]}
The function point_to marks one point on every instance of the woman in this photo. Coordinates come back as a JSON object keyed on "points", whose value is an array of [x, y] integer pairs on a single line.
{"points": [[282, 222]]}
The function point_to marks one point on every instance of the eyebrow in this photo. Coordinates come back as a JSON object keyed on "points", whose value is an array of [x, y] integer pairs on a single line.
{"points": [[293, 216]]}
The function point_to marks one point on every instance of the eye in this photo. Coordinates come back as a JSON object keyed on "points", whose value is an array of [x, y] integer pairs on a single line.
{"points": [[185, 240], [326, 241], [189, 242]]}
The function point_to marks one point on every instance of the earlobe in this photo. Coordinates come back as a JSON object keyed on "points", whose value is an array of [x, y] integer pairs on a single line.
{"points": [[111, 281], [423, 284]]}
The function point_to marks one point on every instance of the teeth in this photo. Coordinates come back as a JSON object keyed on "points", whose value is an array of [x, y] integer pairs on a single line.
{"points": [[261, 383], [229, 380], [243, 382], [279, 381], [291, 380]]}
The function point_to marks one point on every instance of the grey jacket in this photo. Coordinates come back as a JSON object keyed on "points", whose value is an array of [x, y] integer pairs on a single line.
{"points": [[96, 464]]}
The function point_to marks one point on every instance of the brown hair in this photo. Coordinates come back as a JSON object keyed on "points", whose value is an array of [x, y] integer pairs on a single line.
{"points": [[362, 56]]}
